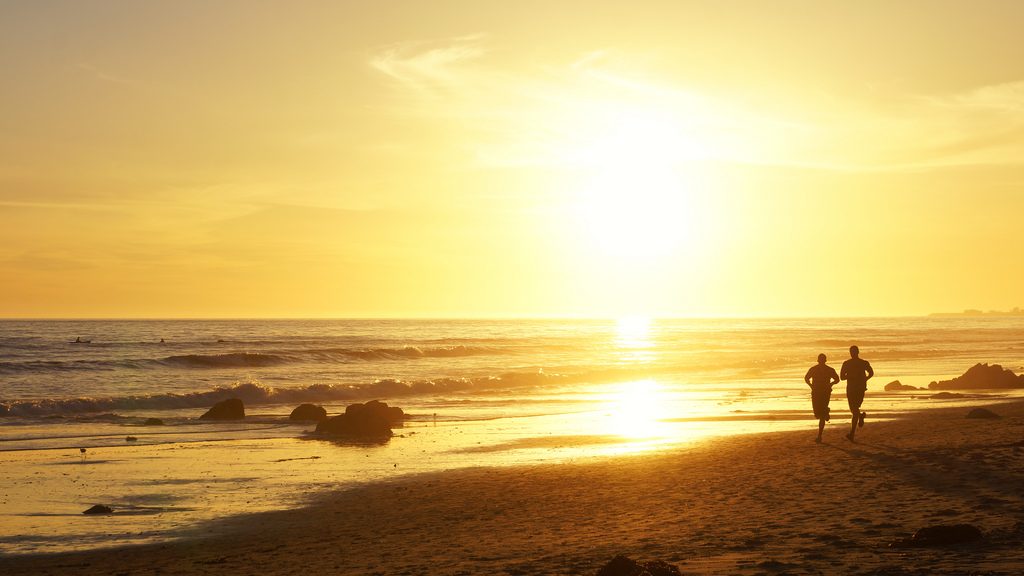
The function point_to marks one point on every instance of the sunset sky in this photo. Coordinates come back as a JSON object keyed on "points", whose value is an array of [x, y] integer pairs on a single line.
{"points": [[505, 159]]}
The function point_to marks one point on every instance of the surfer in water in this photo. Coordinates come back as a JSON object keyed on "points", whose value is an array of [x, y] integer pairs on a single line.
{"points": [[821, 378]]}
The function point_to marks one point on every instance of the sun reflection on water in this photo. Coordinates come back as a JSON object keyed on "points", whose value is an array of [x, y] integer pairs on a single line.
{"points": [[633, 332], [633, 339]]}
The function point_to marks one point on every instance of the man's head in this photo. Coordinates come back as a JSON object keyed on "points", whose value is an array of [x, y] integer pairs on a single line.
{"points": [[854, 351], [821, 358]]}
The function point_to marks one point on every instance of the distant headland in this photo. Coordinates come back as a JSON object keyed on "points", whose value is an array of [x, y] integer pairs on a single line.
{"points": [[972, 312]]}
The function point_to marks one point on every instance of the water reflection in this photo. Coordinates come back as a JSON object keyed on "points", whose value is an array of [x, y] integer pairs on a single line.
{"points": [[633, 332], [637, 409], [633, 339]]}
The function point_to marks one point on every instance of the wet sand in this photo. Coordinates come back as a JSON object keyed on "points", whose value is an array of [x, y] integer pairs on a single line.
{"points": [[751, 504]]}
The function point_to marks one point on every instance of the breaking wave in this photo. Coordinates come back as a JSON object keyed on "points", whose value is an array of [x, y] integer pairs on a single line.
{"points": [[255, 393]]}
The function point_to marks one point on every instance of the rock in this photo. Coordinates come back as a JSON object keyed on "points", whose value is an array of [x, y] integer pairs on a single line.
{"points": [[981, 376], [5, 410], [941, 535], [945, 396], [308, 412], [982, 413], [393, 414], [99, 509], [371, 420], [622, 565], [153, 422], [230, 409], [131, 439], [897, 386]]}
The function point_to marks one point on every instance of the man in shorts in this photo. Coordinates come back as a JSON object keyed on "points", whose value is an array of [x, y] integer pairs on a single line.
{"points": [[821, 378], [856, 371]]}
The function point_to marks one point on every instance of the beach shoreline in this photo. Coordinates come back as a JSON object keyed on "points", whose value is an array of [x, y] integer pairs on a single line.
{"points": [[736, 504]]}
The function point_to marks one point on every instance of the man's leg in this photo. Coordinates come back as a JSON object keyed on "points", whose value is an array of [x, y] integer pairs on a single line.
{"points": [[821, 427], [854, 398]]}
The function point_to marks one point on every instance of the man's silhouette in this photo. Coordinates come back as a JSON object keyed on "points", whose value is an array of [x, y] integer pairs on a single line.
{"points": [[821, 378], [856, 371]]}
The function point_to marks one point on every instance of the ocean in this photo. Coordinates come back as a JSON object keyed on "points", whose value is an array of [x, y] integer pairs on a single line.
{"points": [[477, 392]]}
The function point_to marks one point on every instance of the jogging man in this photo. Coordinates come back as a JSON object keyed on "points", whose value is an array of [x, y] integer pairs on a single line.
{"points": [[821, 377], [856, 371]]}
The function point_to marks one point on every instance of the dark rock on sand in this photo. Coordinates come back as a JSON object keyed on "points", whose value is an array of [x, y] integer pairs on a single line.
{"points": [[393, 414], [99, 509], [941, 535], [308, 412], [5, 410], [131, 439], [946, 396], [371, 420], [981, 376], [982, 413], [897, 386], [622, 565], [153, 422], [230, 409]]}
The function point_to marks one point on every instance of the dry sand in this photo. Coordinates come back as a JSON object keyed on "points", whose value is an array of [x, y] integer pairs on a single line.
{"points": [[769, 504]]}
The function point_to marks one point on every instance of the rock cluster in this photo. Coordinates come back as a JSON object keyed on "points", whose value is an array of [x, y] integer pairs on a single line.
{"points": [[897, 386], [99, 509], [371, 420], [981, 376]]}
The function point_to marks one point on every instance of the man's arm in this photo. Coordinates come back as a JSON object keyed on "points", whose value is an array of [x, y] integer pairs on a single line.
{"points": [[871, 371], [807, 377], [833, 378], [842, 372]]}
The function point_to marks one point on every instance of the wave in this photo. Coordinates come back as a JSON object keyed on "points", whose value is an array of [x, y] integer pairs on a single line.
{"points": [[256, 393], [417, 352], [254, 359], [231, 360]]}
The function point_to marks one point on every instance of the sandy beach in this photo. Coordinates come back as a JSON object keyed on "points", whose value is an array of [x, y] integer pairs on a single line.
{"points": [[749, 504]]}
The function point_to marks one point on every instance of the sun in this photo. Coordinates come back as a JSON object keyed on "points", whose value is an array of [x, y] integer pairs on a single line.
{"points": [[639, 192]]}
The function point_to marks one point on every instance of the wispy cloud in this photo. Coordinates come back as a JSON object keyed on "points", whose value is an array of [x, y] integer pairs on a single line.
{"points": [[104, 75], [428, 66], [1004, 97], [520, 114], [981, 125]]}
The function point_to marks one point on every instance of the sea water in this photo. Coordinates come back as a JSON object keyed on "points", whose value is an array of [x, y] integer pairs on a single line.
{"points": [[477, 392]]}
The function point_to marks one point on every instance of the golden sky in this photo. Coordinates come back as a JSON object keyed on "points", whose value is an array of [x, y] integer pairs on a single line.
{"points": [[479, 158]]}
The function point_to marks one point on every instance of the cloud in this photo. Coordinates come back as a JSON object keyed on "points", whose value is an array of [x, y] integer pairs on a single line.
{"points": [[104, 75], [428, 66], [1005, 97], [980, 125], [519, 114]]}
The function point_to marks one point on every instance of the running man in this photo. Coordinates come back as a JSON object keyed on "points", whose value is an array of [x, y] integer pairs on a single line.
{"points": [[821, 378], [856, 371]]}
